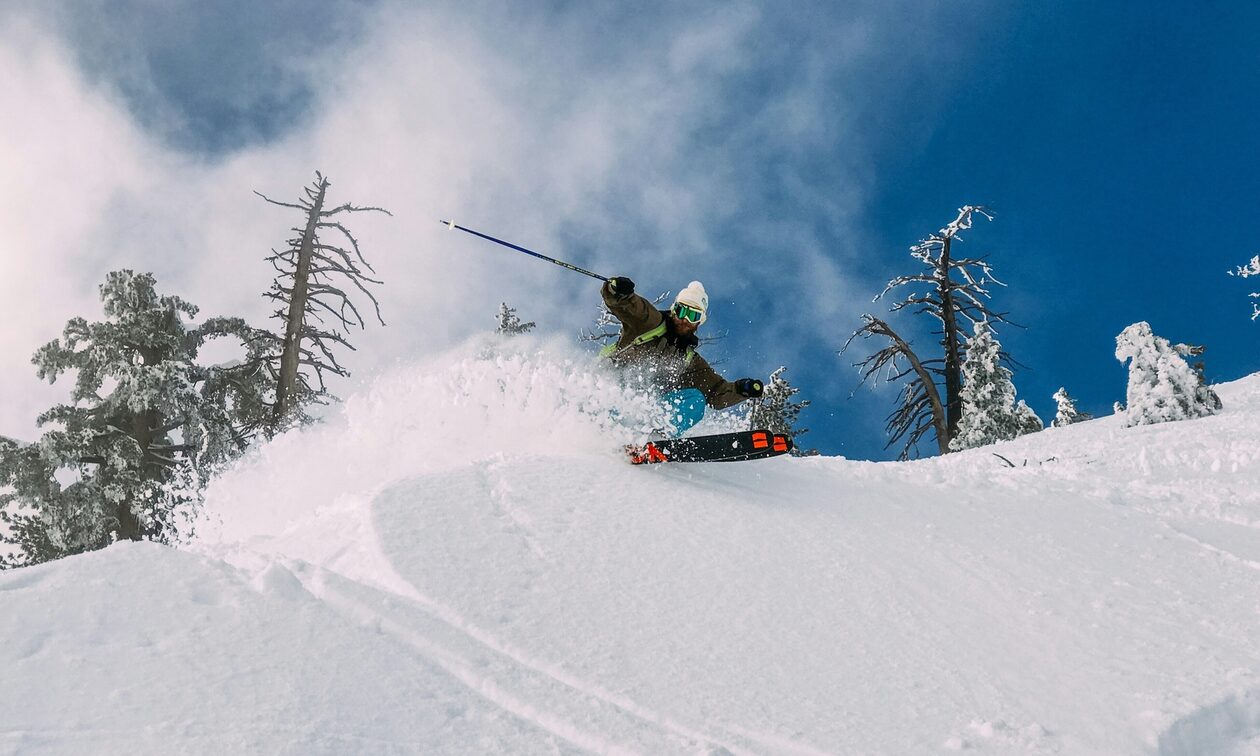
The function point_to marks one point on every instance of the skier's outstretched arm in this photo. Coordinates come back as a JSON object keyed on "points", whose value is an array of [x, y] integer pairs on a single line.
{"points": [[720, 393], [635, 313]]}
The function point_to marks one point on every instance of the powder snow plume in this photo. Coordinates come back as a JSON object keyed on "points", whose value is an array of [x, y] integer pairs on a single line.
{"points": [[489, 398]]}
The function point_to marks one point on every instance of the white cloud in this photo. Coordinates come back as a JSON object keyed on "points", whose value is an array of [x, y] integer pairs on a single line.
{"points": [[67, 154], [622, 154]]}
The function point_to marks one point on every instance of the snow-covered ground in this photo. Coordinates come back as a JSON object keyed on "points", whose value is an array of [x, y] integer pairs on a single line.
{"points": [[461, 562]]}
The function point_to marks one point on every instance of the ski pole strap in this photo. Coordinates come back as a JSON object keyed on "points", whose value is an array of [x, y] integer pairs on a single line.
{"points": [[453, 226]]}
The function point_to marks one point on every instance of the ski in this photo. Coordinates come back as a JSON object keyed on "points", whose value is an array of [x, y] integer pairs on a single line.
{"points": [[721, 447]]}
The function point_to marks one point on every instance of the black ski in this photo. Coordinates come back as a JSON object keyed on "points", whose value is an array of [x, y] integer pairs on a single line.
{"points": [[721, 447]]}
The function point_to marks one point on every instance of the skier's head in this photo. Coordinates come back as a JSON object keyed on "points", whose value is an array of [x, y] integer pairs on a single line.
{"points": [[691, 306]]}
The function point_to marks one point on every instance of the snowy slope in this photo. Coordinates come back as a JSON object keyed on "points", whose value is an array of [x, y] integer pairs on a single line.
{"points": [[462, 563]]}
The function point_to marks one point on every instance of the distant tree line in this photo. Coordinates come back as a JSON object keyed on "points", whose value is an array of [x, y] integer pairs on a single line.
{"points": [[148, 425], [959, 393]]}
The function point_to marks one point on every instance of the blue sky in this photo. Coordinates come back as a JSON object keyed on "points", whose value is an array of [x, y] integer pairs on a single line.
{"points": [[787, 159]]}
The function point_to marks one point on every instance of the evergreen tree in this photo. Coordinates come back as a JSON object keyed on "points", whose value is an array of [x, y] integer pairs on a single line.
{"points": [[776, 411], [316, 309], [509, 323], [1067, 412], [1203, 392], [146, 427], [989, 410], [1027, 419], [1246, 271], [1162, 387]]}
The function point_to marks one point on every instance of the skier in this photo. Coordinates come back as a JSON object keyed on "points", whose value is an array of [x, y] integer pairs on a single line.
{"points": [[660, 345]]}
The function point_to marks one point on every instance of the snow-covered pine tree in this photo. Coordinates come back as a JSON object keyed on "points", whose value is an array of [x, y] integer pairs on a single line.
{"points": [[510, 324], [989, 410], [1067, 412], [1027, 419], [314, 306], [776, 411], [1162, 387], [1204, 392], [1246, 271], [145, 429]]}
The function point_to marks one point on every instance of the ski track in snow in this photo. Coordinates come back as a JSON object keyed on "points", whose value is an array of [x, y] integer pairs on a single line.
{"points": [[557, 699], [554, 707]]}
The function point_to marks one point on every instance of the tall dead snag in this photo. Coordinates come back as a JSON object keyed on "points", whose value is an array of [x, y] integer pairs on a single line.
{"points": [[310, 289], [954, 291]]}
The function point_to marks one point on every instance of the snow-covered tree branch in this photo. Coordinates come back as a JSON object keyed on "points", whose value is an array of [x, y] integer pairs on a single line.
{"points": [[1246, 271], [509, 323], [919, 408]]}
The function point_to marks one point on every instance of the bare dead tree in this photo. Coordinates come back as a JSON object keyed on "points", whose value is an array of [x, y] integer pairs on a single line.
{"points": [[311, 291], [954, 292], [919, 404]]}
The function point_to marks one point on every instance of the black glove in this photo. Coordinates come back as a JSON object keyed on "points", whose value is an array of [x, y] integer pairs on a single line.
{"points": [[621, 286], [749, 387]]}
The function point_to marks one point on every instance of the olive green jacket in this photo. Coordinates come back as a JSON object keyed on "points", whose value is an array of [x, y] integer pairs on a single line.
{"points": [[660, 355]]}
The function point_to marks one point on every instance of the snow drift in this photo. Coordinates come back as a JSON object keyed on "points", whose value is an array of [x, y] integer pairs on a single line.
{"points": [[461, 561]]}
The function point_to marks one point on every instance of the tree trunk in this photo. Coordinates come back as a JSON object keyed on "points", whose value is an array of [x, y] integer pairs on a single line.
{"points": [[129, 527], [951, 342], [939, 419], [286, 389], [142, 430]]}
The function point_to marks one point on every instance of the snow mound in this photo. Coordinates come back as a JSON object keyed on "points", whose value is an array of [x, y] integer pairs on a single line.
{"points": [[1231, 726], [141, 649], [1207, 469], [461, 561]]}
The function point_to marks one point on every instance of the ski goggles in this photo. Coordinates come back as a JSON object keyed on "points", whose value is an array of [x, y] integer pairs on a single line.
{"points": [[687, 313]]}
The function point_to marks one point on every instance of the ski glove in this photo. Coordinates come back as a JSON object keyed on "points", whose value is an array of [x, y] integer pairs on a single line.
{"points": [[621, 286], [749, 387]]}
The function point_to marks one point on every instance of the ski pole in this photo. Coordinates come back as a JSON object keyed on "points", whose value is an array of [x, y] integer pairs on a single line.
{"points": [[452, 225]]}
